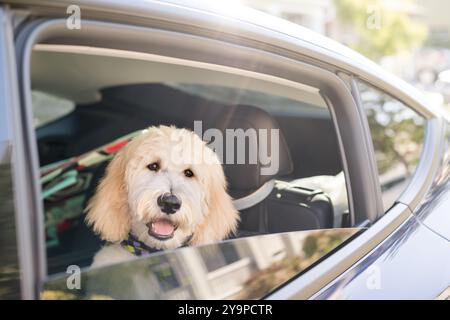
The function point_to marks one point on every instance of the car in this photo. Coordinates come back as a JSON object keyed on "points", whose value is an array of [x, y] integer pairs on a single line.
{"points": [[357, 207]]}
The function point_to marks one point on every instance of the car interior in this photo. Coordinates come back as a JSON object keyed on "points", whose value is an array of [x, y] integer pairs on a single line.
{"points": [[84, 100]]}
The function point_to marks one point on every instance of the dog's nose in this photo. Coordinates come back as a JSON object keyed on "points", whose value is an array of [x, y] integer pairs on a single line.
{"points": [[169, 203]]}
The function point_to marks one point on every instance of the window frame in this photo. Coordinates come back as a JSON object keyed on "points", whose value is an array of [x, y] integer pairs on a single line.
{"points": [[354, 153], [11, 163]]}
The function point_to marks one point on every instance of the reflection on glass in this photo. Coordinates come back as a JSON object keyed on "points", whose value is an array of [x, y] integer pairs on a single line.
{"points": [[397, 135], [247, 268], [215, 256]]}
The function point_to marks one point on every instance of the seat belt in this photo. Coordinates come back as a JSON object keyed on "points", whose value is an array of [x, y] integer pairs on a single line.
{"points": [[255, 197]]}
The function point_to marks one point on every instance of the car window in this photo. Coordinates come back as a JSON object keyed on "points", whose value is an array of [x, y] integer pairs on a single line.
{"points": [[275, 104], [95, 121], [250, 269], [397, 134]]}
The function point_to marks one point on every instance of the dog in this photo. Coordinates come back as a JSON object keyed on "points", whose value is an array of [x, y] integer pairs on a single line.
{"points": [[163, 190]]}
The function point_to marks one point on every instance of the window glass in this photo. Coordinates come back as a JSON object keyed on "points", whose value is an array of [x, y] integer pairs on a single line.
{"points": [[216, 257], [267, 262], [397, 134], [269, 102]]}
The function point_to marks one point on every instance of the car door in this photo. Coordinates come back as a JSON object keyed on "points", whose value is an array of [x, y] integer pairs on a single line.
{"points": [[191, 48], [48, 190], [382, 273], [409, 262]]}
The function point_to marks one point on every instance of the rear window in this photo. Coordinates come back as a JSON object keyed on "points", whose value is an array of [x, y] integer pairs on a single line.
{"points": [[398, 134], [48, 107], [274, 104]]}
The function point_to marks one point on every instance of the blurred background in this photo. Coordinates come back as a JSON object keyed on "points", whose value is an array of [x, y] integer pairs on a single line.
{"points": [[410, 38]]}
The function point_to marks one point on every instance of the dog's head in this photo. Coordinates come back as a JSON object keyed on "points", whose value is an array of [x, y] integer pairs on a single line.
{"points": [[165, 186]]}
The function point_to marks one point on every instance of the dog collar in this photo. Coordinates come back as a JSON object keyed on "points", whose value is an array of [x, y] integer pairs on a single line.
{"points": [[138, 248]]}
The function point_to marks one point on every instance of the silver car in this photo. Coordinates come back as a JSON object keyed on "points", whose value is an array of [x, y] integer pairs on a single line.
{"points": [[358, 207]]}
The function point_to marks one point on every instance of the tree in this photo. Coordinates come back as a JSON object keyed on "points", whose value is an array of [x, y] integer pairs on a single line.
{"points": [[378, 29]]}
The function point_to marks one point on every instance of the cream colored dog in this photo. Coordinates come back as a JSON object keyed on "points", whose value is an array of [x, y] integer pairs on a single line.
{"points": [[166, 189]]}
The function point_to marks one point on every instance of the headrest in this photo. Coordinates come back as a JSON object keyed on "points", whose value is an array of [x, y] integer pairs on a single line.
{"points": [[250, 176]]}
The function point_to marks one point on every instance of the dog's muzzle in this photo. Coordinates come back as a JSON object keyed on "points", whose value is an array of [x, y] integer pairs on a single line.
{"points": [[169, 203]]}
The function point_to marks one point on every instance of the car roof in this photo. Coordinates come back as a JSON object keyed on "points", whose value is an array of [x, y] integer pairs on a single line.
{"points": [[225, 18], [224, 12]]}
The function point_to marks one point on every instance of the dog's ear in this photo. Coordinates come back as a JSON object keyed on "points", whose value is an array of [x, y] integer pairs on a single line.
{"points": [[108, 209], [221, 217]]}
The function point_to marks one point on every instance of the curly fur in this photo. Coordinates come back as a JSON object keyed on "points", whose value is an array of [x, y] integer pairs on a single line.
{"points": [[126, 198]]}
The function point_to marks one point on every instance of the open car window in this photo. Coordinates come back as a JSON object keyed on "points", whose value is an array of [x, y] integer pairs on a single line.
{"points": [[248, 268], [289, 219]]}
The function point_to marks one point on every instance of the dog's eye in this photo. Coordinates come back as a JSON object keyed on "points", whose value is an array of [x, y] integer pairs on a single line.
{"points": [[153, 166], [188, 173]]}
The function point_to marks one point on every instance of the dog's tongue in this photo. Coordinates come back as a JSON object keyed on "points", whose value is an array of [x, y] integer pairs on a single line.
{"points": [[163, 227]]}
